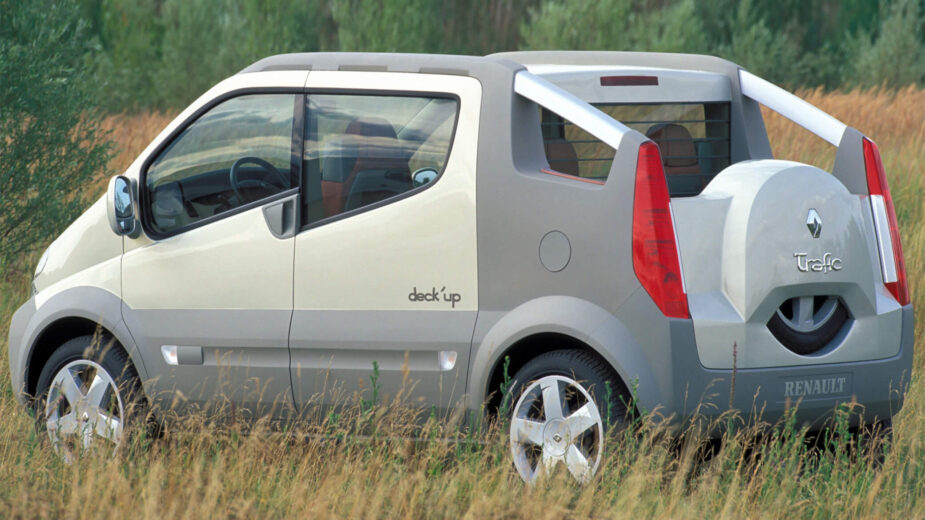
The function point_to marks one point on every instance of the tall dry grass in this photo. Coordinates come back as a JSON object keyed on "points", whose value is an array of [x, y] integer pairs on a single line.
{"points": [[325, 470]]}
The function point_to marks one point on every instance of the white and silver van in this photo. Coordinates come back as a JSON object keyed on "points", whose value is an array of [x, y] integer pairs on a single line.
{"points": [[603, 220]]}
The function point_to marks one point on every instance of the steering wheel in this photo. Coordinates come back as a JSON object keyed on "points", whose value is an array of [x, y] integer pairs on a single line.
{"points": [[237, 185]]}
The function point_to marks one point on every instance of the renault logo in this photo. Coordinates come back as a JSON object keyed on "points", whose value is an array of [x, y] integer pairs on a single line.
{"points": [[814, 223]]}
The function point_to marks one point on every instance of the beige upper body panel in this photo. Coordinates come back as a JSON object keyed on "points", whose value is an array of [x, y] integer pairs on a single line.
{"points": [[425, 241], [87, 253], [234, 263], [212, 267]]}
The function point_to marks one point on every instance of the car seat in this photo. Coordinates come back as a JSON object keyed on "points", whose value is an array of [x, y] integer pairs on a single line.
{"points": [[679, 157], [363, 166]]}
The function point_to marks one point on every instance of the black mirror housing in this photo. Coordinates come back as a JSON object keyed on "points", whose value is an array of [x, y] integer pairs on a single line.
{"points": [[120, 204]]}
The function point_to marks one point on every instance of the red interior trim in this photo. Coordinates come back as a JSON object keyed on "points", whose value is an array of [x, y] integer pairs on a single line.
{"points": [[574, 178], [628, 81]]}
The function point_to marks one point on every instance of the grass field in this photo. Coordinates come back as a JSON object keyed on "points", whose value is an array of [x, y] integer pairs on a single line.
{"points": [[222, 473]]}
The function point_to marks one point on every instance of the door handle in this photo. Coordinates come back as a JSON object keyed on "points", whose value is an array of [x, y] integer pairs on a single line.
{"points": [[282, 216]]}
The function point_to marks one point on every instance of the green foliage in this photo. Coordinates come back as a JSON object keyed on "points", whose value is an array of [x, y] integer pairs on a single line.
{"points": [[626, 25], [507, 396], [130, 32], [376, 387], [897, 56], [204, 42], [829, 44], [576, 24], [493, 26], [165, 53], [386, 25], [52, 142], [765, 52]]}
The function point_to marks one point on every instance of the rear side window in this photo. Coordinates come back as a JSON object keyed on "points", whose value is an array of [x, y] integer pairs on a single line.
{"points": [[572, 150], [693, 139], [361, 150]]}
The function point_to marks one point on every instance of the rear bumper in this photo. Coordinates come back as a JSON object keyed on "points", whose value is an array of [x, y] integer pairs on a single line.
{"points": [[877, 386]]}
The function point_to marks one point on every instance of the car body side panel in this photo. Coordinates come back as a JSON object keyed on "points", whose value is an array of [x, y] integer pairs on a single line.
{"points": [[82, 279], [518, 205], [354, 277], [199, 284], [597, 221], [224, 288], [87, 253], [333, 352]]}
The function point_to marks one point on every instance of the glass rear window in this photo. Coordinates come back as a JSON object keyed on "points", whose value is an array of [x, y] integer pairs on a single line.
{"points": [[693, 139]]}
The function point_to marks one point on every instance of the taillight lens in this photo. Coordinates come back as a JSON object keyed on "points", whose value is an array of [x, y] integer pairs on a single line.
{"points": [[655, 249], [877, 186]]}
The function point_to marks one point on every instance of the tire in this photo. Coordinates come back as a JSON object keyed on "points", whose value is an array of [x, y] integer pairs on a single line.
{"points": [[573, 432], [808, 342], [89, 396]]}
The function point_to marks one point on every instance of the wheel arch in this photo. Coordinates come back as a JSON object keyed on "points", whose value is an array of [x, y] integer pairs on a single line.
{"points": [[556, 322], [520, 353], [70, 314]]}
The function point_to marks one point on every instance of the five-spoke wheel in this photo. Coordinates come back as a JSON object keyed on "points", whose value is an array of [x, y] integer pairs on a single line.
{"points": [[88, 393], [558, 417], [556, 420], [83, 405]]}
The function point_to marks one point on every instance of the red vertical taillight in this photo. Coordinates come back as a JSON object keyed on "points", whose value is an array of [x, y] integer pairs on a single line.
{"points": [[881, 201], [655, 249]]}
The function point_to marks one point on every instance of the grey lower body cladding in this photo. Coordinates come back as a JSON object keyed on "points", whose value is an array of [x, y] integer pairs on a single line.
{"points": [[877, 386]]}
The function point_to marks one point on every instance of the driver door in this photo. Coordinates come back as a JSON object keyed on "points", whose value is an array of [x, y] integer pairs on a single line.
{"points": [[208, 288]]}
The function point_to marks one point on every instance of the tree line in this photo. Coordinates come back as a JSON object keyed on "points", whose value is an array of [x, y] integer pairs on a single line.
{"points": [[164, 53]]}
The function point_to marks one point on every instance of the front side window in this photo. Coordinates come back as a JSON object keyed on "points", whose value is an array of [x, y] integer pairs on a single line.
{"points": [[238, 152], [360, 150]]}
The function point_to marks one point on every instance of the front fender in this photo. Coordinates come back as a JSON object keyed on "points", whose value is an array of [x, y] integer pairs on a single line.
{"points": [[90, 303]]}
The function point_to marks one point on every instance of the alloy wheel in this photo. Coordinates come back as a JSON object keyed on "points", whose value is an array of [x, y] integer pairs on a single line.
{"points": [[556, 420], [83, 409]]}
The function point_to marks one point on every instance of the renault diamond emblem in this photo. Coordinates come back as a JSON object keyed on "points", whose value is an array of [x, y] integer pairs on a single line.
{"points": [[814, 223]]}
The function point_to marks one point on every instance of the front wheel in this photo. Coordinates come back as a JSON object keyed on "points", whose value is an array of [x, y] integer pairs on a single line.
{"points": [[567, 400], [88, 394]]}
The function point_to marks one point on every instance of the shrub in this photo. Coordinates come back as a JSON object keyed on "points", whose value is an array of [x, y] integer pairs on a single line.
{"points": [[387, 25], [897, 56], [50, 139]]}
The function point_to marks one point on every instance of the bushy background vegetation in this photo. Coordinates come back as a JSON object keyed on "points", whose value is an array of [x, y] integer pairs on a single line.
{"points": [[163, 53], [50, 141]]}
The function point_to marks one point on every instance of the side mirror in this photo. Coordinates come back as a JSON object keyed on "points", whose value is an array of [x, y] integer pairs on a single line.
{"points": [[423, 176], [121, 207]]}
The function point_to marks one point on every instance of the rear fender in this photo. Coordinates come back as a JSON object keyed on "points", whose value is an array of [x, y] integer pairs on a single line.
{"points": [[496, 332]]}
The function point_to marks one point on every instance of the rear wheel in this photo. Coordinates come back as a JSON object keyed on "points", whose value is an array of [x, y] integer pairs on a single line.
{"points": [[89, 394], [562, 412]]}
